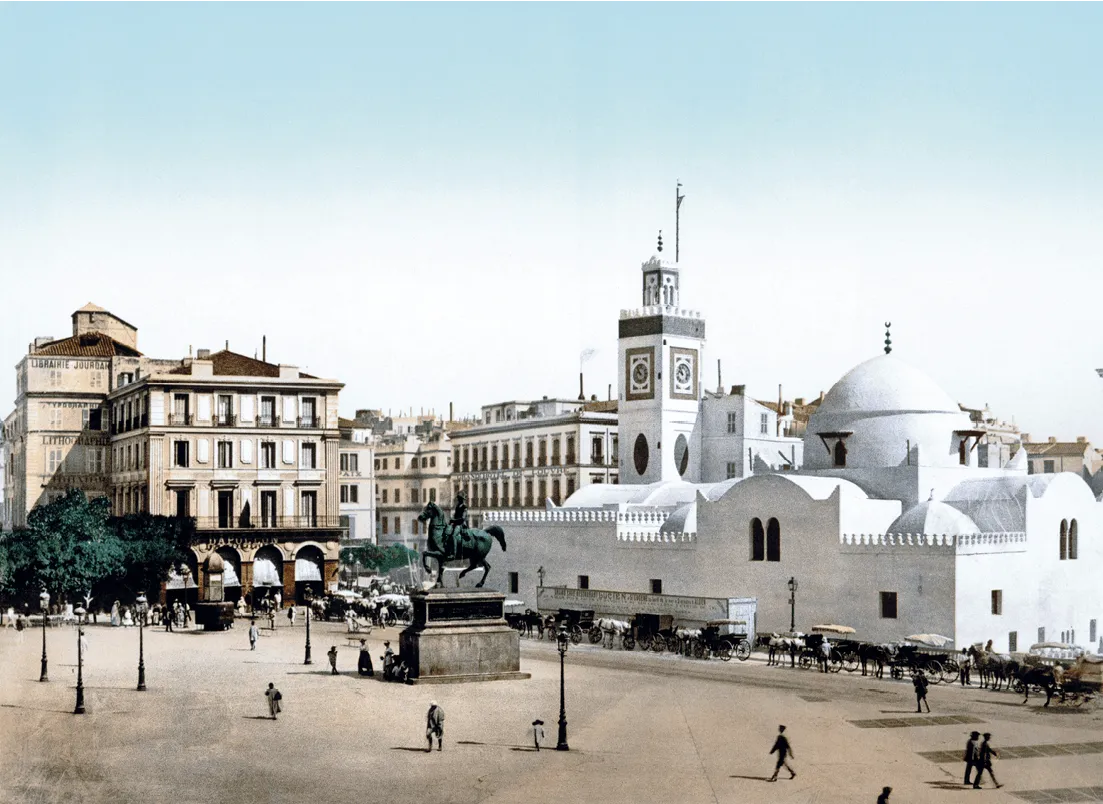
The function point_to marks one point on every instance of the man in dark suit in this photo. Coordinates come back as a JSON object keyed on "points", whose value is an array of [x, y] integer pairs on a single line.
{"points": [[972, 755]]}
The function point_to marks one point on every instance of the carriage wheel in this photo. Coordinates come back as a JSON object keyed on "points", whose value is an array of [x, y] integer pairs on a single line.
{"points": [[628, 643], [658, 644], [387, 619], [576, 634], [594, 634], [951, 672], [934, 671], [1018, 686], [743, 650], [805, 661], [725, 650], [700, 650], [850, 662], [550, 631], [835, 664], [644, 642]]}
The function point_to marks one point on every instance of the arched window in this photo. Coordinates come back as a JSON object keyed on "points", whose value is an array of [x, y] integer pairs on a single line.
{"points": [[1064, 539], [1072, 539], [773, 540], [840, 453], [758, 540]]}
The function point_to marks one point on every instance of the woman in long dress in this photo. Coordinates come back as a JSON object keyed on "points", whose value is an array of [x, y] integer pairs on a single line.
{"points": [[115, 613]]}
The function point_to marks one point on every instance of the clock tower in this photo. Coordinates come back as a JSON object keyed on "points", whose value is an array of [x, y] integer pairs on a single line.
{"points": [[660, 349]]}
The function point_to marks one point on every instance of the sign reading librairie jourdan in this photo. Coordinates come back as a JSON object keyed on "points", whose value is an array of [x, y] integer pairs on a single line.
{"points": [[683, 608]]}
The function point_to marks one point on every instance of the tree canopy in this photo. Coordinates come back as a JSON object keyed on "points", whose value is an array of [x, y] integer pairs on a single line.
{"points": [[380, 559], [72, 546]]}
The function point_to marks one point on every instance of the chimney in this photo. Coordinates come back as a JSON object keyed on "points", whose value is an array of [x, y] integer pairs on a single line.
{"points": [[737, 390], [203, 354], [799, 401], [264, 348], [719, 378], [581, 393], [450, 412], [1024, 437], [1081, 440], [227, 344], [780, 408], [1052, 439], [610, 392], [42, 339]]}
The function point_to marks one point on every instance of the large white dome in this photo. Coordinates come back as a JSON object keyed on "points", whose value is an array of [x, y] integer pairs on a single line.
{"points": [[886, 384]]}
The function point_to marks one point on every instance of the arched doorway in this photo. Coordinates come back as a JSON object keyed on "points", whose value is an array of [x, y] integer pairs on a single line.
{"points": [[309, 563], [267, 573], [231, 574]]}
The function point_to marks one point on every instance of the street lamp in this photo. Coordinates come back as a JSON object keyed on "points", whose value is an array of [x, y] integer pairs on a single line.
{"points": [[44, 599], [79, 709], [563, 641], [142, 604], [792, 604], [307, 598]]}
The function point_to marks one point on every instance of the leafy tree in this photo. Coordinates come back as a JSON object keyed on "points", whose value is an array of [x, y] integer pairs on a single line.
{"points": [[67, 547], [380, 559], [151, 546]]}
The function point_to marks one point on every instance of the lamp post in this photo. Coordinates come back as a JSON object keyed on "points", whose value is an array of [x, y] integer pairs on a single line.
{"points": [[142, 604], [307, 598], [792, 604], [44, 599], [563, 640], [79, 708]]}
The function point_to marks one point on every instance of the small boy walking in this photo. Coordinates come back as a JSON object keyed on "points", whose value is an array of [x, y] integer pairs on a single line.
{"points": [[537, 732]]}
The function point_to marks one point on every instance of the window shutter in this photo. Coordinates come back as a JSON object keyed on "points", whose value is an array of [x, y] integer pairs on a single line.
{"points": [[203, 413], [289, 502], [289, 408], [202, 450], [246, 450], [288, 451], [246, 407]]}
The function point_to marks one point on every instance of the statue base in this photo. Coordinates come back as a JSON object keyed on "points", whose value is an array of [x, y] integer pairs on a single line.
{"points": [[460, 635]]}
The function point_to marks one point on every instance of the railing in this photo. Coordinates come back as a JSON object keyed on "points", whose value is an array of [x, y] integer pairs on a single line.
{"points": [[494, 464], [224, 420], [597, 460], [309, 421], [465, 467], [268, 421], [555, 460], [570, 459], [180, 419], [271, 522], [516, 463], [528, 462], [543, 461]]}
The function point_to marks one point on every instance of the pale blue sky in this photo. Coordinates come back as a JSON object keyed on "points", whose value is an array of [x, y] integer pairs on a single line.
{"points": [[338, 177]]}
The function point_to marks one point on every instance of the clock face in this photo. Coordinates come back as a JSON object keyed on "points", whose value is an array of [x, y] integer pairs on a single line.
{"points": [[684, 374], [639, 373]]}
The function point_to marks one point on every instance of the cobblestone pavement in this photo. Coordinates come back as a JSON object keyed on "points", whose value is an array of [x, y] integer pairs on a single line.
{"points": [[642, 728]]}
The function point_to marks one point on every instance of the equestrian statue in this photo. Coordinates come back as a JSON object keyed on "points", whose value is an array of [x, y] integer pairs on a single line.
{"points": [[454, 541]]}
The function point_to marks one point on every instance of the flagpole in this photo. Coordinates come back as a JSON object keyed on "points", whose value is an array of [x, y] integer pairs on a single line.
{"points": [[677, 218]]}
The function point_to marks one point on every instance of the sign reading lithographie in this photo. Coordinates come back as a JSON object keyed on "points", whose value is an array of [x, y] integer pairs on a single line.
{"points": [[464, 610], [697, 609]]}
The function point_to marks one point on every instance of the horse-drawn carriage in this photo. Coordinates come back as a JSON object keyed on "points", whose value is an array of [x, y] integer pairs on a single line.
{"points": [[652, 631], [722, 639], [1081, 683], [578, 622]]}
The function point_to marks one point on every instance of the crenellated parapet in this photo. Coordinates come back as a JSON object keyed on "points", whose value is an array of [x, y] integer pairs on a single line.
{"points": [[659, 309], [1011, 541], [628, 538]]}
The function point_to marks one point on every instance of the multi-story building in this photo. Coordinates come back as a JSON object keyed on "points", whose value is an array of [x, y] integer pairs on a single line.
{"points": [[410, 470], [1047, 457], [527, 453], [246, 447], [737, 436], [357, 479]]}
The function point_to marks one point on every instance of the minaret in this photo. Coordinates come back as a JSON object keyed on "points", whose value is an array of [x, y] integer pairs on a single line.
{"points": [[661, 347]]}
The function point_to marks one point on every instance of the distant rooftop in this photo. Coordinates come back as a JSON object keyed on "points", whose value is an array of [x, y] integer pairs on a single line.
{"points": [[230, 364], [88, 344]]}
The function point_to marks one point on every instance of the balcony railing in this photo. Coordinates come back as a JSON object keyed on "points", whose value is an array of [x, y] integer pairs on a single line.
{"points": [[543, 460], [180, 419], [268, 421], [570, 459], [225, 420], [309, 421], [271, 522], [516, 463], [597, 459]]}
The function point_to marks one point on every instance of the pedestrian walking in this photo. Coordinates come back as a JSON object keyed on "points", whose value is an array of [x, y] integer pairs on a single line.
{"points": [[168, 615], [884, 797], [537, 732], [274, 697], [82, 644], [825, 654], [19, 627], [972, 756], [291, 615], [434, 726], [984, 761], [254, 633], [965, 668], [363, 664], [272, 619], [187, 615], [783, 751], [332, 654], [919, 681]]}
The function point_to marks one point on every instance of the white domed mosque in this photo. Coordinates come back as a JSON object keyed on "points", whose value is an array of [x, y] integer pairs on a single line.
{"points": [[895, 524]]}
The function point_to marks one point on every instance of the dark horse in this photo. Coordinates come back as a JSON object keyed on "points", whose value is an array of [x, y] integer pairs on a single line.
{"points": [[472, 545]]}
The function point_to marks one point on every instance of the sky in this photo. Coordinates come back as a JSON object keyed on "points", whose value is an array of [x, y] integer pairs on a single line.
{"points": [[443, 204]]}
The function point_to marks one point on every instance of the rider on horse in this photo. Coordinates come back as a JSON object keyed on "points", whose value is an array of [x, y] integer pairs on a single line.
{"points": [[458, 525]]}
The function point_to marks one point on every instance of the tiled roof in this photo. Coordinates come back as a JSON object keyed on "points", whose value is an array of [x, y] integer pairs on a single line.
{"points": [[88, 344], [594, 406], [230, 364], [1057, 448]]}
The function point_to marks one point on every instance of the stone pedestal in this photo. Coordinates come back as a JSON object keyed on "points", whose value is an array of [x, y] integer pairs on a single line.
{"points": [[460, 635]]}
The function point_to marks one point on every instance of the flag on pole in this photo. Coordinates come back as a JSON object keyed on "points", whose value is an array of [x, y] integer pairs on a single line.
{"points": [[586, 354]]}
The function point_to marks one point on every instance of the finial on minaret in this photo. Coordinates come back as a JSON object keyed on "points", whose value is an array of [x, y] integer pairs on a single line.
{"points": [[660, 241], [888, 337]]}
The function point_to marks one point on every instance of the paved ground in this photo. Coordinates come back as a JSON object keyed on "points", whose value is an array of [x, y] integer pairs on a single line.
{"points": [[643, 728]]}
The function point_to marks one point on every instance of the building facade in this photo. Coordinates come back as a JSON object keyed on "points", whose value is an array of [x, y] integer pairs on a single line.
{"points": [[1051, 455], [357, 482], [410, 470], [529, 454]]}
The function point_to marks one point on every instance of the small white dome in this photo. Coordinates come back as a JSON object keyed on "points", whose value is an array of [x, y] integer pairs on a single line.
{"points": [[886, 384], [934, 518]]}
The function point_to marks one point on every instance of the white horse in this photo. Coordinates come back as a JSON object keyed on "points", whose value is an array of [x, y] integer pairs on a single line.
{"points": [[612, 629]]}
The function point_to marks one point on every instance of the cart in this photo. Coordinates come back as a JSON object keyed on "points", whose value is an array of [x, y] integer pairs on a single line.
{"points": [[577, 622]]}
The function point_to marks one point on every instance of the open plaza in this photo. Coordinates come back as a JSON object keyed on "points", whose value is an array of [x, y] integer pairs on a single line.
{"points": [[641, 727]]}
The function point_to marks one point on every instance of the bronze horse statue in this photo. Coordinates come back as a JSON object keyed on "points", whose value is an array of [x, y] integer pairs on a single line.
{"points": [[451, 543]]}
